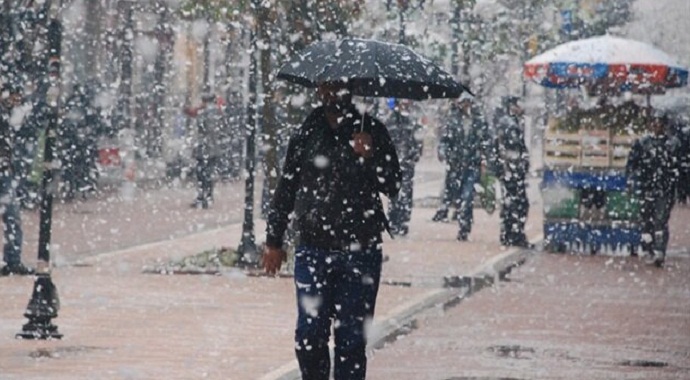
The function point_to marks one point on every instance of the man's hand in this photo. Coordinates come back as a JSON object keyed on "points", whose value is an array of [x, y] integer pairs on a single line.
{"points": [[273, 258], [363, 145]]}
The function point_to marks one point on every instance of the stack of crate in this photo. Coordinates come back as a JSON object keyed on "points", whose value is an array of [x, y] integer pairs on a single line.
{"points": [[562, 149], [587, 148], [561, 202], [620, 148], [595, 148]]}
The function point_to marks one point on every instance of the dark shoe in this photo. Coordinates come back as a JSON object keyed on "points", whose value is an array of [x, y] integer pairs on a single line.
{"points": [[440, 216], [523, 244], [654, 258], [199, 204], [17, 270], [400, 231], [462, 236]]}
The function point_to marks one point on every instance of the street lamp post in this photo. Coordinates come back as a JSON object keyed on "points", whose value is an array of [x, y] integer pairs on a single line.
{"points": [[248, 255], [44, 303]]}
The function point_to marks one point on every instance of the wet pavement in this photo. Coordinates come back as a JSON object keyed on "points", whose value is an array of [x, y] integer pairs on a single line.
{"points": [[556, 317], [575, 312]]}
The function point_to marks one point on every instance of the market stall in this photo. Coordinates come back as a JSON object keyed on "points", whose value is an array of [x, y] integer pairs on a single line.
{"points": [[586, 205]]}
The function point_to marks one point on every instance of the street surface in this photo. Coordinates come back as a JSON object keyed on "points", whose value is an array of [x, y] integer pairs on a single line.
{"points": [[557, 316]]}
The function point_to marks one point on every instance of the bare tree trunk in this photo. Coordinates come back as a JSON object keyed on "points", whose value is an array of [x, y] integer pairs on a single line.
{"points": [[269, 127], [161, 67], [302, 26], [124, 119], [206, 88], [93, 32]]}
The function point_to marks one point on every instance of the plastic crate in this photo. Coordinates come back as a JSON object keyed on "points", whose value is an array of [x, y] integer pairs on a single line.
{"points": [[621, 206], [561, 202], [562, 149]]}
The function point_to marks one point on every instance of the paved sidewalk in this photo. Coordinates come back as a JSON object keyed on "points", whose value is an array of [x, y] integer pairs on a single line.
{"points": [[120, 323], [558, 317]]}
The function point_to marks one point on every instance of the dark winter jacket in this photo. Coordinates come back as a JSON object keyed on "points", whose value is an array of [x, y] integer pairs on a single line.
{"points": [[403, 131], [6, 138], [333, 192], [653, 164], [513, 154], [466, 139], [210, 123]]}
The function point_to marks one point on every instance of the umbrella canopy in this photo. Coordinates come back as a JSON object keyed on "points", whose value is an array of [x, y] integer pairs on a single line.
{"points": [[610, 62], [372, 68]]}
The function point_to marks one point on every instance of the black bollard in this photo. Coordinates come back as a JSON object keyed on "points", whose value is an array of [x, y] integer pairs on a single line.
{"points": [[43, 306]]}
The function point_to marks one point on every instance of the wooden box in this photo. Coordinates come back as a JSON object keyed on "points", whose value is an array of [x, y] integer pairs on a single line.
{"points": [[595, 147], [562, 149], [620, 149]]}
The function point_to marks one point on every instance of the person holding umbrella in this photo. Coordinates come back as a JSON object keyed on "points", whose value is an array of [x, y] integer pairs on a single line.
{"points": [[337, 164]]}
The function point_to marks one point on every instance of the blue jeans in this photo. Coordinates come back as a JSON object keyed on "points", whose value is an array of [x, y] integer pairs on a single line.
{"points": [[11, 218], [334, 288], [467, 178]]}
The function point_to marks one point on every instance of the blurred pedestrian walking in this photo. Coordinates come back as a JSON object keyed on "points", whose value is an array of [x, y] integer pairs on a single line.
{"points": [[681, 131], [11, 117], [26, 151], [466, 144], [210, 121], [513, 166], [337, 164], [78, 144], [653, 171], [404, 132], [232, 138]]}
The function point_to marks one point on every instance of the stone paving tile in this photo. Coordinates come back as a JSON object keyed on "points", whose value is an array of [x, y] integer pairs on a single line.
{"points": [[122, 324], [559, 317]]}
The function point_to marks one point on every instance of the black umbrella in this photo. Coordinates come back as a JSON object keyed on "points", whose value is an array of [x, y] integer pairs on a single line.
{"points": [[372, 68]]}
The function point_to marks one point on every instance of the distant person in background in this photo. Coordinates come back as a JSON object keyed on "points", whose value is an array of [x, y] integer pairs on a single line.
{"points": [[210, 122], [26, 144], [10, 119], [513, 167], [652, 171], [682, 132], [78, 143], [233, 138], [465, 144], [404, 131]]}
